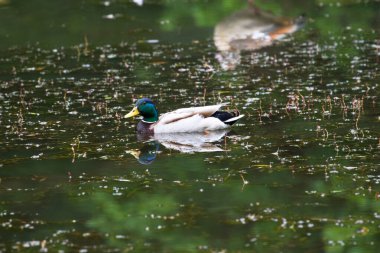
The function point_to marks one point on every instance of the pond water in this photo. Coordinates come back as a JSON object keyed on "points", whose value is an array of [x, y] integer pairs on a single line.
{"points": [[299, 173]]}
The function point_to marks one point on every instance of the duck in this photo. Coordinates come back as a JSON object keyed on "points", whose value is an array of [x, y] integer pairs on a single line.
{"points": [[250, 29], [184, 120]]}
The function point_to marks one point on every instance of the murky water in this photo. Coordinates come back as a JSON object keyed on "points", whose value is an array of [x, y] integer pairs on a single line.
{"points": [[299, 173]]}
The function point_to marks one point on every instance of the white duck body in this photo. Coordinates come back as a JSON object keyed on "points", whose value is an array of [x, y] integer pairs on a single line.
{"points": [[194, 119]]}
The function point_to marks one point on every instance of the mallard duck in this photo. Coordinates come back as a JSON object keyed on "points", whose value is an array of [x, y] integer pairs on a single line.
{"points": [[194, 119], [252, 29], [249, 30]]}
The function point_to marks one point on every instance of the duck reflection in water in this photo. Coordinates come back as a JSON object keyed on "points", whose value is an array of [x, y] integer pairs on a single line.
{"points": [[249, 30], [147, 153], [182, 142]]}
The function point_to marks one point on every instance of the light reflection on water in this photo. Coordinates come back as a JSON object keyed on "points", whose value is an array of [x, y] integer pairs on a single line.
{"points": [[298, 173]]}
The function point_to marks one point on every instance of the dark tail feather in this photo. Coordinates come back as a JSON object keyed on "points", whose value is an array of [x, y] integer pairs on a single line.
{"points": [[227, 117]]}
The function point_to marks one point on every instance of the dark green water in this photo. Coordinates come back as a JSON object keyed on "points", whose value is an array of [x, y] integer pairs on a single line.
{"points": [[299, 173]]}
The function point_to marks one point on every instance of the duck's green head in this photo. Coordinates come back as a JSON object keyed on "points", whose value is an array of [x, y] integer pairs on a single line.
{"points": [[146, 108]]}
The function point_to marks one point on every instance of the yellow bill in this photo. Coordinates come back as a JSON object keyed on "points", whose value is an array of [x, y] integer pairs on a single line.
{"points": [[132, 113], [135, 153]]}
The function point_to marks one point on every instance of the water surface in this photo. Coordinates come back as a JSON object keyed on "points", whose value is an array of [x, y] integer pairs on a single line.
{"points": [[299, 173]]}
